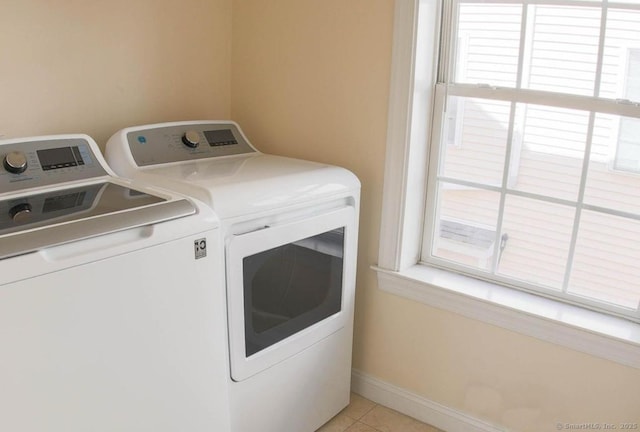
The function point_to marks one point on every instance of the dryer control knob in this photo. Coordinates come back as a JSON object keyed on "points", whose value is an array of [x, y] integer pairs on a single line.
{"points": [[15, 162], [20, 212], [191, 139]]}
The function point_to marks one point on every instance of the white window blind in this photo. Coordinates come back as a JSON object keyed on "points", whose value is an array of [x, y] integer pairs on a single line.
{"points": [[533, 176]]}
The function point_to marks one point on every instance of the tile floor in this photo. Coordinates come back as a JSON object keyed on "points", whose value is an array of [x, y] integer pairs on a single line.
{"points": [[363, 415]]}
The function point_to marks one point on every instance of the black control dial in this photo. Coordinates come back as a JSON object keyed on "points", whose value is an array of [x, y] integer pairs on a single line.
{"points": [[15, 162], [191, 139]]}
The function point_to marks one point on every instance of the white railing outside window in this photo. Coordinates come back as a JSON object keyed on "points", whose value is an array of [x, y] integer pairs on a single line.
{"points": [[536, 143]]}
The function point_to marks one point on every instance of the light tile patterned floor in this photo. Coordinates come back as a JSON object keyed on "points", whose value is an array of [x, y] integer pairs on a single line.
{"points": [[363, 415]]}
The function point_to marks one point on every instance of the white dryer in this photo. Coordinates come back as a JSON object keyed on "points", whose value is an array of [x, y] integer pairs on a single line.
{"points": [[290, 232], [112, 305]]}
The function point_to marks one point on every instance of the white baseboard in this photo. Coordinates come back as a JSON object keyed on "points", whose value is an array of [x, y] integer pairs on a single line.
{"points": [[418, 407]]}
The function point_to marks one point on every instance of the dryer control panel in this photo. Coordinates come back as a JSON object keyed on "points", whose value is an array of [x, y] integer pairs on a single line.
{"points": [[179, 142], [46, 162]]}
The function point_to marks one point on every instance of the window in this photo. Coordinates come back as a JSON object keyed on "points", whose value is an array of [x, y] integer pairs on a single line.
{"points": [[534, 162]]}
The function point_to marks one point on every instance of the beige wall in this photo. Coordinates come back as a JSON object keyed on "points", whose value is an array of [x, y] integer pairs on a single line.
{"points": [[96, 66], [310, 79]]}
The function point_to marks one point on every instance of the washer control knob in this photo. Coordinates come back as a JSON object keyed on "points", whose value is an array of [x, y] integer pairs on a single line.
{"points": [[15, 162], [20, 213], [191, 139]]}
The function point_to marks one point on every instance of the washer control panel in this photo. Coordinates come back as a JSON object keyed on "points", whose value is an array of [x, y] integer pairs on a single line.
{"points": [[46, 162], [153, 145]]}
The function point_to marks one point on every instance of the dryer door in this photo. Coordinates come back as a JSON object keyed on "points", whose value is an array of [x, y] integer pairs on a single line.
{"points": [[289, 286]]}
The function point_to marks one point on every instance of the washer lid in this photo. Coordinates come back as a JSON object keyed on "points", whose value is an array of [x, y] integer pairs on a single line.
{"points": [[32, 222]]}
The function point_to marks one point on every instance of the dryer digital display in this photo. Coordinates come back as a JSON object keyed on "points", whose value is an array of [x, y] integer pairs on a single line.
{"points": [[220, 137]]}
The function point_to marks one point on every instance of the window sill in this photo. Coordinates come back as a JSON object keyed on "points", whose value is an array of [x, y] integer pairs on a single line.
{"points": [[570, 326]]}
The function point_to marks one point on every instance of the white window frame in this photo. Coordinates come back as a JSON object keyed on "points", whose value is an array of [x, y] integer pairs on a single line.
{"points": [[415, 45]]}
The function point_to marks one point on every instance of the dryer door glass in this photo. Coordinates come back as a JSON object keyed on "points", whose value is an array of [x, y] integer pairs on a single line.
{"points": [[291, 287]]}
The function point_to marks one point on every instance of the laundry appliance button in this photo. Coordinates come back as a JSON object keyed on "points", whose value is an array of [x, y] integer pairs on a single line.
{"points": [[15, 162], [20, 213], [191, 139]]}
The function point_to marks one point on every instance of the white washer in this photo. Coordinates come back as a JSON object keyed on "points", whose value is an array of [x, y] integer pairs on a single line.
{"points": [[290, 230], [109, 320]]}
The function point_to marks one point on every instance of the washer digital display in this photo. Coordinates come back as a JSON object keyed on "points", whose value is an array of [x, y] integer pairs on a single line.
{"points": [[61, 157]]}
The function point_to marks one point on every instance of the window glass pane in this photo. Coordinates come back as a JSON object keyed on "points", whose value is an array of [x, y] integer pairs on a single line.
{"points": [[552, 144], [466, 226], [475, 139], [537, 240], [628, 152], [621, 60], [607, 254], [487, 43], [563, 51], [613, 180]]}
